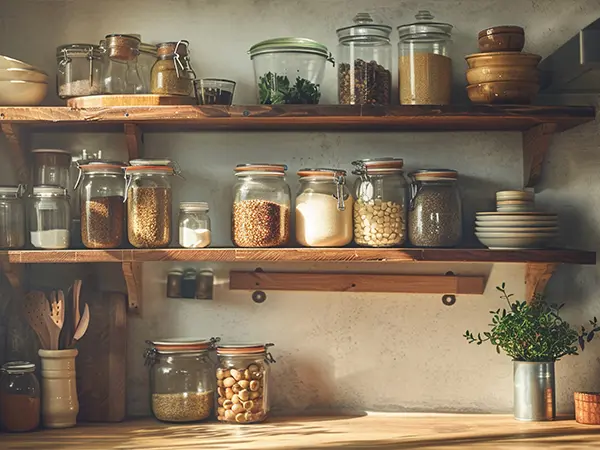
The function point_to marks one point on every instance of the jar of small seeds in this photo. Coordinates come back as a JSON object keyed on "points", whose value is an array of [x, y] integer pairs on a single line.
{"points": [[381, 200], [435, 216], [181, 379], [172, 73], [261, 206], [243, 375], [148, 195]]}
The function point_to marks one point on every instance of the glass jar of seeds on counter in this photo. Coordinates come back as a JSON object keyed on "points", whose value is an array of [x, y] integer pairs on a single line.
{"points": [[49, 218], [102, 208], [381, 200], [12, 217], [79, 71], [181, 379], [172, 73], [148, 195], [365, 62], [243, 376], [194, 225], [323, 209], [435, 216], [261, 206]]}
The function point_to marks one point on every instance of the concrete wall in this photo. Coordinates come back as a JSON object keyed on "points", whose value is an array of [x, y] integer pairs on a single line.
{"points": [[355, 352]]}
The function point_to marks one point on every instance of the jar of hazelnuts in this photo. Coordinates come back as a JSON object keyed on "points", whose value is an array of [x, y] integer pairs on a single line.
{"points": [[243, 382]]}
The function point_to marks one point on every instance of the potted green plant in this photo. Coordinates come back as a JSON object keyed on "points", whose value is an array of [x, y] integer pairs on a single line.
{"points": [[535, 337]]}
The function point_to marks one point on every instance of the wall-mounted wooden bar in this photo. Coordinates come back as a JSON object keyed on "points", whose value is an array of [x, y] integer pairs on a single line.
{"points": [[356, 282]]}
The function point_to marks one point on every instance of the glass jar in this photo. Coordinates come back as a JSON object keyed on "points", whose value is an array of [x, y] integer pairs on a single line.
{"points": [[365, 62], [19, 397], [323, 209], [51, 167], [243, 375], [49, 218], [172, 73], [121, 72], [12, 217], [424, 64], [102, 208], [435, 216], [148, 194], [146, 61], [289, 70], [79, 71], [194, 225], [181, 379], [174, 280], [381, 200], [261, 206]]}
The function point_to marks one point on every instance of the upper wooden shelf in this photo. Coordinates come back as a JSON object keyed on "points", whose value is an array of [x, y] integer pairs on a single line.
{"points": [[333, 255], [307, 117]]}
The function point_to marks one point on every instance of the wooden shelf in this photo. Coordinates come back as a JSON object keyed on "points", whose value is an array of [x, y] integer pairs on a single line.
{"points": [[308, 255]]}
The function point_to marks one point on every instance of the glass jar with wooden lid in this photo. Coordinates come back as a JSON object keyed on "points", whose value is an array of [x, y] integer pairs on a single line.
{"points": [[19, 397], [121, 52], [172, 73], [381, 199]]}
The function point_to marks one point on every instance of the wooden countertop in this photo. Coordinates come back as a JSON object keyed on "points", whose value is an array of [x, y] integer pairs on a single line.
{"points": [[373, 432]]}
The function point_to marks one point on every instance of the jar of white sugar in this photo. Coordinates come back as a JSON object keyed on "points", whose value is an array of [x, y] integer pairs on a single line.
{"points": [[49, 218], [194, 225], [79, 71], [323, 209]]}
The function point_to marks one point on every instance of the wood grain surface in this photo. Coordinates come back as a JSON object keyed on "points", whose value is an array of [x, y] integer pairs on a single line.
{"points": [[104, 101], [379, 432]]}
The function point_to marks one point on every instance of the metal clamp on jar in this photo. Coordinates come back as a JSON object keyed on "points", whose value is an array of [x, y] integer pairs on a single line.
{"points": [[172, 73], [79, 71]]}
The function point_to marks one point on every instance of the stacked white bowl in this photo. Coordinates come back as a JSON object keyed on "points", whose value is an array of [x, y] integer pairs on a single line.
{"points": [[21, 84], [515, 201]]}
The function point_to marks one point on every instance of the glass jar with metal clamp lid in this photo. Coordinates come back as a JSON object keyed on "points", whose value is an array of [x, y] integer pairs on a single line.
{"points": [[19, 397], [381, 200], [121, 73], [172, 73], [12, 217], [79, 71], [323, 208], [182, 382]]}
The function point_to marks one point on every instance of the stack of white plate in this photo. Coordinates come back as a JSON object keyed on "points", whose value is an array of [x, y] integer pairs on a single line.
{"points": [[515, 201], [21, 84], [516, 230]]}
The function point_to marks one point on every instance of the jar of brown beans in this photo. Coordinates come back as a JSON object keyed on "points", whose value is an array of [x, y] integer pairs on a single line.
{"points": [[261, 206]]}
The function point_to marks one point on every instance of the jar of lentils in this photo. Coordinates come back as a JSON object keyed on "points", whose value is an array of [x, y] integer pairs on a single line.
{"points": [[381, 199], [148, 195], [435, 216], [261, 206], [181, 379], [243, 376], [172, 73]]}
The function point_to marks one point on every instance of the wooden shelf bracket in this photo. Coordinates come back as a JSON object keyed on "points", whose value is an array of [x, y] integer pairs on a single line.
{"points": [[132, 271], [134, 140], [537, 276], [536, 142], [18, 142]]}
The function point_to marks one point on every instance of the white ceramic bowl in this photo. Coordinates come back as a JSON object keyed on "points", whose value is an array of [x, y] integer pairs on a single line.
{"points": [[516, 208], [484, 229], [16, 73], [7, 62], [515, 195], [517, 223], [22, 93], [513, 242], [516, 216]]}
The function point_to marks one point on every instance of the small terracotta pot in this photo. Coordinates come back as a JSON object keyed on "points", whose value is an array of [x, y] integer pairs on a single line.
{"points": [[59, 392], [587, 408], [501, 39]]}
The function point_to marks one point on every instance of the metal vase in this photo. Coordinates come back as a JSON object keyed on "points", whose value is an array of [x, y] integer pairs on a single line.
{"points": [[534, 391]]}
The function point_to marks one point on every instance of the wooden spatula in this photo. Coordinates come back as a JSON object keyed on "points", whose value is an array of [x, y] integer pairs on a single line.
{"points": [[52, 321], [83, 325], [36, 309]]}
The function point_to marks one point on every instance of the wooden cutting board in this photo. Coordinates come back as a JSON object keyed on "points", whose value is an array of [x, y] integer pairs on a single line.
{"points": [[102, 360], [101, 101]]}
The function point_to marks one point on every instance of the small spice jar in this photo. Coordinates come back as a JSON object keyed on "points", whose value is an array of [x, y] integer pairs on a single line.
{"points": [[49, 218], [323, 209], [194, 225], [79, 71], [12, 217], [435, 216], [365, 62], [261, 206], [181, 379], [424, 64], [174, 281], [19, 397], [51, 167], [172, 73], [102, 208], [381, 200], [243, 376], [148, 195], [121, 72], [204, 285]]}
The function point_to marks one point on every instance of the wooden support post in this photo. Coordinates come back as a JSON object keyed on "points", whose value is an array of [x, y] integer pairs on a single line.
{"points": [[134, 140], [132, 271], [537, 276], [18, 142], [536, 142]]}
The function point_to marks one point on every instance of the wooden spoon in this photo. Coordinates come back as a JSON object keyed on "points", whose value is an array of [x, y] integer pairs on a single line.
{"points": [[83, 325], [35, 307], [76, 294]]}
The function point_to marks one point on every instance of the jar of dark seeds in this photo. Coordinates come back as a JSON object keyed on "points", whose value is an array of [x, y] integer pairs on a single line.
{"points": [[435, 216], [261, 206], [148, 195], [365, 61], [102, 208]]}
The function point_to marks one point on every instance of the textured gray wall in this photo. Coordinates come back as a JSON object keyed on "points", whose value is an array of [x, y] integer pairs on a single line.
{"points": [[378, 352]]}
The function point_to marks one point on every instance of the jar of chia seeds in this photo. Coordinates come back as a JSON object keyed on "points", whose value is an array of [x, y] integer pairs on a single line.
{"points": [[435, 215]]}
